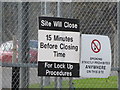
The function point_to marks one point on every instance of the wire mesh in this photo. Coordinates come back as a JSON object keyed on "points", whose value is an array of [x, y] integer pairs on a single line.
{"points": [[20, 19]]}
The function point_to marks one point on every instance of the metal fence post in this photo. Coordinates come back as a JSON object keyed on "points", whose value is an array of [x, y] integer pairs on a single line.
{"points": [[45, 81], [0, 23], [20, 33], [15, 70], [71, 83], [24, 45], [41, 83], [58, 80], [0, 43], [118, 28], [58, 8]]}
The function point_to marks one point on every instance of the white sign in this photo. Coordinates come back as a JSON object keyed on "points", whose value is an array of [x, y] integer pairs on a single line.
{"points": [[58, 46], [95, 56]]}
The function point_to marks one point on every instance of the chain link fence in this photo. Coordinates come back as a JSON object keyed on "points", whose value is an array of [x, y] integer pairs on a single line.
{"points": [[19, 21]]}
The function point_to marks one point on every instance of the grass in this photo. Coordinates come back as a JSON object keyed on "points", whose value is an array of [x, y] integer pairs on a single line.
{"points": [[110, 82]]}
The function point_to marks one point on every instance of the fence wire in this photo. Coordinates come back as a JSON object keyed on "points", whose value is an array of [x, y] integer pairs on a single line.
{"points": [[19, 19]]}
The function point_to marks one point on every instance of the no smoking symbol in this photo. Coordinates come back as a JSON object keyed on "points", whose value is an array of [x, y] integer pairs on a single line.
{"points": [[95, 46]]}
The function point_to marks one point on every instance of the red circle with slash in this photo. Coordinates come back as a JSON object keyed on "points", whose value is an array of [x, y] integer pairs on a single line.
{"points": [[95, 46]]}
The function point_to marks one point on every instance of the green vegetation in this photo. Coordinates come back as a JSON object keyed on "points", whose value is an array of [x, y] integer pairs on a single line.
{"points": [[110, 82]]}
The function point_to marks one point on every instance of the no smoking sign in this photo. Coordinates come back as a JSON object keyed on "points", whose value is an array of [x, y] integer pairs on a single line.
{"points": [[95, 56], [96, 46]]}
